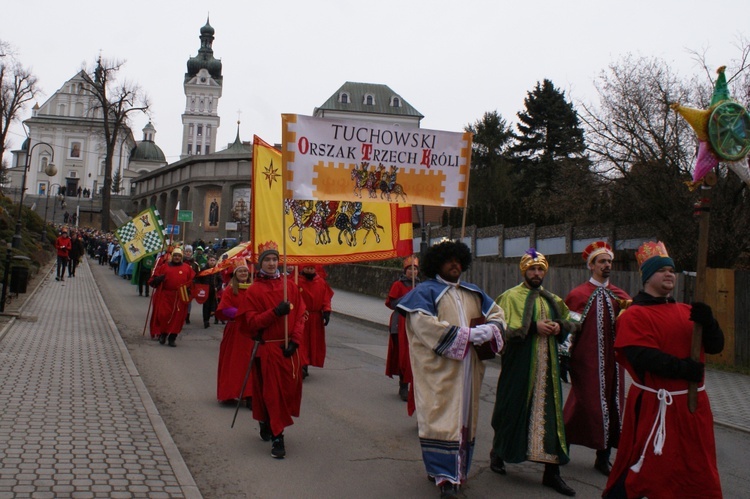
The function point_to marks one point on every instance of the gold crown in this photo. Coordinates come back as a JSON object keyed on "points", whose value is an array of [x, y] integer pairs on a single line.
{"points": [[411, 261], [239, 262], [650, 250], [268, 246]]}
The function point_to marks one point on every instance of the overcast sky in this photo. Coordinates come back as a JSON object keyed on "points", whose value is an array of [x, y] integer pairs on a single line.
{"points": [[453, 61]]}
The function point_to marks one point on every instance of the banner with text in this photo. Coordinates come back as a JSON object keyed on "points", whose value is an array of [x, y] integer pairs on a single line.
{"points": [[321, 231], [348, 160]]}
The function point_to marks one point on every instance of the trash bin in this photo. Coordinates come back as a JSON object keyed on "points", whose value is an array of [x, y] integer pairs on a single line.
{"points": [[19, 278]]}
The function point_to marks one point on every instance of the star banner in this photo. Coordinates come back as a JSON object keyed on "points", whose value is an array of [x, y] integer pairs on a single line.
{"points": [[349, 160], [320, 231], [142, 236]]}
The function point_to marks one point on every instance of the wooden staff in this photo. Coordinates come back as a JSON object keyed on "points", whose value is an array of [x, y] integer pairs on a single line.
{"points": [[704, 206], [247, 376]]}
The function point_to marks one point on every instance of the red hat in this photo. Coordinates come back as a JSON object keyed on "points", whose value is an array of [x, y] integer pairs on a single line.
{"points": [[595, 249]]}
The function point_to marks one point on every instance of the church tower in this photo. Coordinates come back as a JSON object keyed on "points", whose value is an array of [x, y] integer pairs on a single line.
{"points": [[203, 83]]}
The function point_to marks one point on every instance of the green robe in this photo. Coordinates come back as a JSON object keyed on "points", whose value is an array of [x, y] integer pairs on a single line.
{"points": [[527, 419]]}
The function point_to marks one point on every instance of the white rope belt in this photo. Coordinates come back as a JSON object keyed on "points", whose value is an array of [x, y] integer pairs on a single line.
{"points": [[660, 424]]}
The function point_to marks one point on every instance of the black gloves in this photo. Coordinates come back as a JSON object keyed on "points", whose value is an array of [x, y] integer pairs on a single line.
{"points": [[156, 280], [690, 370], [289, 351], [326, 317], [282, 308], [700, 313]]}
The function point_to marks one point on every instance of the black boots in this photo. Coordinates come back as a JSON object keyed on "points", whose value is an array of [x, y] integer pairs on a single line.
{"points": [[162, 339], [553, 479], [277, 447], [171, 340], [496, 463], [602, 464], [403, 391], [265, 431], [448, 490]]}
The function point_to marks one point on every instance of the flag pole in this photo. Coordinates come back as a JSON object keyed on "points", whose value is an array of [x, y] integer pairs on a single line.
{"points": [[700, 280], [283, 248]]}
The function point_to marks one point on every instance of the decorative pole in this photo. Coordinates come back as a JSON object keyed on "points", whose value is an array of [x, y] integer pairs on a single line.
{"points": [[703, 211]]}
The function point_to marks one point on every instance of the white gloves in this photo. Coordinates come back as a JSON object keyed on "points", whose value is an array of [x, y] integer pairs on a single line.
{"points": [[480, 334]]}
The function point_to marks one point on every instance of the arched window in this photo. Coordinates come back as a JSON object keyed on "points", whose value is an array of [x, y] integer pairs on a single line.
{"points": [[344, 98], [395, 101], [369, 100]]}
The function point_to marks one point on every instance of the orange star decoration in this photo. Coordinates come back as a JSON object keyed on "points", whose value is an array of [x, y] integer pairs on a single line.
{"points": [[271, 174]]}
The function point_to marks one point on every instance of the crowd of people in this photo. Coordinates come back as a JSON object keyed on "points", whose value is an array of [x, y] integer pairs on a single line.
{"points": [[441, 330], [449, 326]]}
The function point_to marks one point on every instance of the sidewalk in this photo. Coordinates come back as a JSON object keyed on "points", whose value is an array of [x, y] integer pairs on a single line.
{"points": [[76, 419], [728, 392]]}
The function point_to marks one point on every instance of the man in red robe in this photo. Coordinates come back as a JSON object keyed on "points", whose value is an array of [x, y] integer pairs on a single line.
{"points": [[171, 281], [317, 295], [665, 450], [277, 368], [593, 409]]}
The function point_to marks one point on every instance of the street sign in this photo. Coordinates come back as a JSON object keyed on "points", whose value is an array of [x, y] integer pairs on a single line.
{"points": [[173, 229], [185, 216]]}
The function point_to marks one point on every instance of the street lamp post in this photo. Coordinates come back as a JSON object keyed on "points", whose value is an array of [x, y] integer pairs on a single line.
{"points": [[19, 223], [46, 206]]}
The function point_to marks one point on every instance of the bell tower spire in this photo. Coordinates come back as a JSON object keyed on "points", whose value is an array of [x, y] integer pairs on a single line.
{"points": [[203, 86]]}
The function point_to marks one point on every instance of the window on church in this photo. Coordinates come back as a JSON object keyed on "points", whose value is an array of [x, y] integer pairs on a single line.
{"points": [[369, 100], [190, 149], [395, 102], [200, 130], [344, 98], [43, 161], [207, 149]]}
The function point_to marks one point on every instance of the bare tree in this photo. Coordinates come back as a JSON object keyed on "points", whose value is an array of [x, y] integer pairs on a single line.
{"points": [[17, 87], [115, 103], [646, 153]]}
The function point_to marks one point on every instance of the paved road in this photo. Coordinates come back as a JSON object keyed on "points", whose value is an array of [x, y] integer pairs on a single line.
{"points": [[95, 414]]}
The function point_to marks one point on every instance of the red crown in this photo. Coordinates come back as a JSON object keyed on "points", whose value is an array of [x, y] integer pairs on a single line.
{"points": [[411, 261], [270, 245], [595, 249], [650, 250]]}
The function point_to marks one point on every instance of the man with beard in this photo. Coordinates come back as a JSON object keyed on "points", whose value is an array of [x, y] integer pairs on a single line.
{"points": [[665, 450], [593, 409], [527, 419], [445, 319], [171, 281]]}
